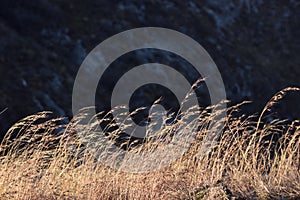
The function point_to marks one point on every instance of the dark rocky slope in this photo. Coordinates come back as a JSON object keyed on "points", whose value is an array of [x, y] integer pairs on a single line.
{"points": [[254, 43]]}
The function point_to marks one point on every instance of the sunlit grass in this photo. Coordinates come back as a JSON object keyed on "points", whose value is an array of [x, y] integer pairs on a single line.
{"points": [[252, 159]]}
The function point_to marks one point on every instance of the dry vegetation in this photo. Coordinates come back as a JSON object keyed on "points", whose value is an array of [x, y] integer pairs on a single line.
{"points": [[252, 159]]}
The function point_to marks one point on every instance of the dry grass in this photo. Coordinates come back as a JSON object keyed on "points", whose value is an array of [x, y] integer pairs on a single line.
{"points": [[252, 159]]}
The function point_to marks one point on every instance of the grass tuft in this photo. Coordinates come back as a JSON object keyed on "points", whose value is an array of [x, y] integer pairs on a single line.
{"points": [[252, 159]]}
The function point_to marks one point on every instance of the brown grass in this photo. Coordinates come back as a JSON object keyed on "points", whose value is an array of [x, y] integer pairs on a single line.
{"points": [[251, 160]]}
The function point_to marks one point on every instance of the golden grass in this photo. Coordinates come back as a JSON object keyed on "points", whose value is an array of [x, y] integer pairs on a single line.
{"points": [[251, 160]]}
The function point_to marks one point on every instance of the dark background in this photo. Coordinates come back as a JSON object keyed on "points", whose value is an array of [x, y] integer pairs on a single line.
{"points": [[255, 44]]}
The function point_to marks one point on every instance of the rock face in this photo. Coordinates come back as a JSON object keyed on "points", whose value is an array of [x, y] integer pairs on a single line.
{"points": [[254, 43]]}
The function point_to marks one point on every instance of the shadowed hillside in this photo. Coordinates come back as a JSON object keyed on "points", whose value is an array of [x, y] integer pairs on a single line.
{"points": [[255, 45]]}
